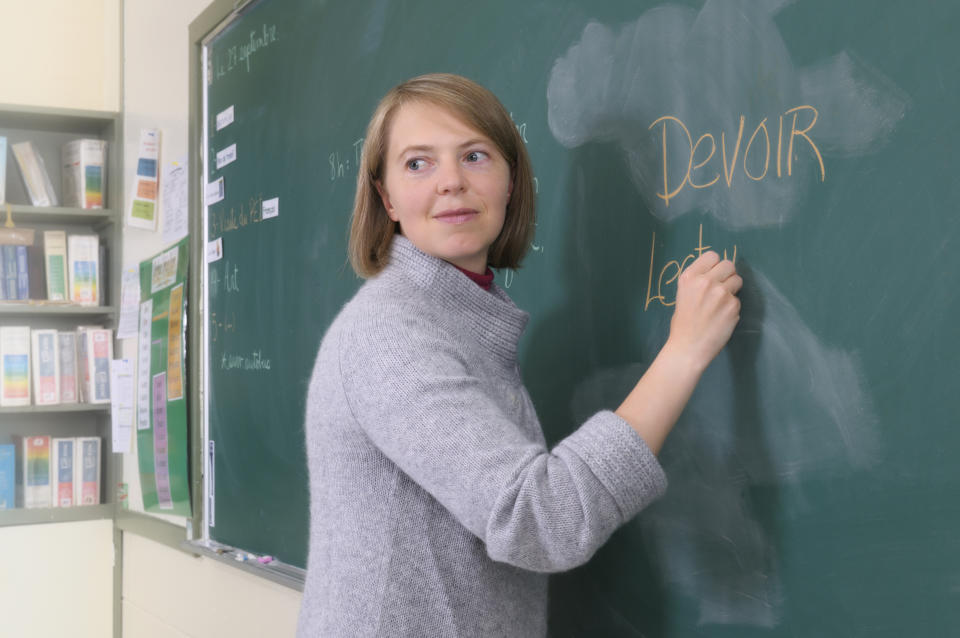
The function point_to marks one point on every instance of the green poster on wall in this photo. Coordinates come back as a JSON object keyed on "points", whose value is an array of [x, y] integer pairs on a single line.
{"points": [[161, 391]]}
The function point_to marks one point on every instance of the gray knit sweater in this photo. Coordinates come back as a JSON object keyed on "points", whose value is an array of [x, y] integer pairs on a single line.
{"points": [[436, 508]]}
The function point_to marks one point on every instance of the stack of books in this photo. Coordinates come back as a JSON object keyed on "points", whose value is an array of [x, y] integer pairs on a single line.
{"points": [[83, 169], [64, 268], [20, 268], [36, 180], [50, 367], [83, 172], [44, 471]]}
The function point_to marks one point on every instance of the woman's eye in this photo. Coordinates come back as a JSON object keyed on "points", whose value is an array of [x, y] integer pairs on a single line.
{"points": [[476, 156], [415, 164]]}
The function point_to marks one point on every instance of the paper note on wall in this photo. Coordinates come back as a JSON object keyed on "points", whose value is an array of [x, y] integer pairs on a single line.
{"points": [[143, 208], [174, 202], [121, 394], [143, 366], [129, 304]]}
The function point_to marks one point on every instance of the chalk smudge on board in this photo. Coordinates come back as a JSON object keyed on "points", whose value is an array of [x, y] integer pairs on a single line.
{"points": [[810, 418]]}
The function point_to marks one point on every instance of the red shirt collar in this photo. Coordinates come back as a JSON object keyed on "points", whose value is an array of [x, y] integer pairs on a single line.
{"points": [[484, 281]]}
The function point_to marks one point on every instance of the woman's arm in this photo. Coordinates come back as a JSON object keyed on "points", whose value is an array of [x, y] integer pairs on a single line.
{"points": [[415, 393], [707, 310]]}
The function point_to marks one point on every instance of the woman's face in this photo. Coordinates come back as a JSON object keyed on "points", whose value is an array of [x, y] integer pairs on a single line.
{"points": [[446, 184]]}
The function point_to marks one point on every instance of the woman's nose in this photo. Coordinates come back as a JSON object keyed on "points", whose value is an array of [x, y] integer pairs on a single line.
{"points": [[450, 179]]}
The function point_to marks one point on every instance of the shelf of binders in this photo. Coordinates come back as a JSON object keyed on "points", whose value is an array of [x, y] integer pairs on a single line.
{"points": [[49, 130], [23, 516]]}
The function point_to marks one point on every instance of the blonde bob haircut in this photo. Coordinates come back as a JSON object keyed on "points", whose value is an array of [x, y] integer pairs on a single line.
{"points": [[372, 231]]}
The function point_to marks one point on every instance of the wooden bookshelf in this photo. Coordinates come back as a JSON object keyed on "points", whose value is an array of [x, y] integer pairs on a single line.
{"points": [[49, 129]]}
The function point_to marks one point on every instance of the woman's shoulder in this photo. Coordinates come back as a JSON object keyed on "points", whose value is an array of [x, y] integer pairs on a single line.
{"points": [[374, 314], [385, 305], [381, 332]]}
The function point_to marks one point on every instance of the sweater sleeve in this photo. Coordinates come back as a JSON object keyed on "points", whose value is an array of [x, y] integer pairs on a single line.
{"points": [[409, 390]]}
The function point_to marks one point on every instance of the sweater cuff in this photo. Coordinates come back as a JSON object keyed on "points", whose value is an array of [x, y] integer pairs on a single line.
{"points": [[621, 460]]}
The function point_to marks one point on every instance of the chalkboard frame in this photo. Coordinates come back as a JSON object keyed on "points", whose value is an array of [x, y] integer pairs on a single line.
{"points": [[202, 31]]}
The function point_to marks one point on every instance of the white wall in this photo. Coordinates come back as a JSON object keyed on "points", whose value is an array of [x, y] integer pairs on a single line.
{"points": [[67, 567], [155, 95], [166, 593], [60, 53]]}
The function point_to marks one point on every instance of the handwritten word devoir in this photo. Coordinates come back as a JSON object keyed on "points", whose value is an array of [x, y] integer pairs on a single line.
{"points": [[702, 171]]}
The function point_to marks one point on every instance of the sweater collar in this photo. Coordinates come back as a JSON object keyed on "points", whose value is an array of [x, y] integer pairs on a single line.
{"points": [[491, 316]]}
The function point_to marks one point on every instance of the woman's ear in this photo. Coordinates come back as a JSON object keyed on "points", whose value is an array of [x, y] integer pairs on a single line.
{"points": [[386, 200]]}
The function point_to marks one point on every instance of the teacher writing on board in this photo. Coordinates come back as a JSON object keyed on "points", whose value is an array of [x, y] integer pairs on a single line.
{"points": [[436, 507]]}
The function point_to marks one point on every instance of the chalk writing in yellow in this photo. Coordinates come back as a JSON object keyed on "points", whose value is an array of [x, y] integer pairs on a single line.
{"points": [[703, 150], [671, 270], [222, 222], [219, 325]]}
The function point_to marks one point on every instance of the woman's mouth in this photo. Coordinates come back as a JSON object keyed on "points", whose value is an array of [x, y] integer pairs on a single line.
{"points": [[456, 215]]}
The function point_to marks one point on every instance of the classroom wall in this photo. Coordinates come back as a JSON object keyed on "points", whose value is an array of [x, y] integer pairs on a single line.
{"points": [[64, 566], [61, 53], [166, 592], [155, 95]]}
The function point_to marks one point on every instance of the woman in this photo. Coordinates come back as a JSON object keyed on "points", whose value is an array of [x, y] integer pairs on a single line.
{"points": [[436, 508]]}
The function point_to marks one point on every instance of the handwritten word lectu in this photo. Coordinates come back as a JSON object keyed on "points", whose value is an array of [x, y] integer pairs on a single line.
{"points": [[671, 270]]}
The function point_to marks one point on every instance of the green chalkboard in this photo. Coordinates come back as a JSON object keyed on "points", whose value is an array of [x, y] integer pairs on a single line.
{"points": [[815, 488]]}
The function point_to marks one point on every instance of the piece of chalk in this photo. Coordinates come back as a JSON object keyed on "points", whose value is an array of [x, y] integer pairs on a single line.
{"points": [[265, 559]]}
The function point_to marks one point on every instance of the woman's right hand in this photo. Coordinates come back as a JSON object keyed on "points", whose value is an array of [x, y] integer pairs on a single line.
{"points": [[707, 309], [706, 312]]}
